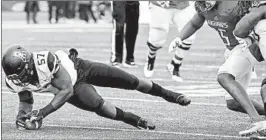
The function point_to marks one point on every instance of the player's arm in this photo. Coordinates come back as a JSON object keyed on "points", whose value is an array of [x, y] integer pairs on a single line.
{"points": [[192, 26], [62, 82], [189, 29], [249, 21]]}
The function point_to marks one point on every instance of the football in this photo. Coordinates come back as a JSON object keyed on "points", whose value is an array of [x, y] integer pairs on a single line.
{"points": [[33, 125]]}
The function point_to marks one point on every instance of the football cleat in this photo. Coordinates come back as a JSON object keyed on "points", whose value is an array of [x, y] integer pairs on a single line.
{"points": [[256, 136], [257, 127], [130, 64], [174, 73], [183, 100], [144, 124], [149, 67]]}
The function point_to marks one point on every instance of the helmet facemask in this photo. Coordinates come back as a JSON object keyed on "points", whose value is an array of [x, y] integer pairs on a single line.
{"points": [[25, 76], [204, 6]]}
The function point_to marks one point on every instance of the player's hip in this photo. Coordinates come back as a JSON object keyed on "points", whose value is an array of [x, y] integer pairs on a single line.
{"points": [[251, 53]]}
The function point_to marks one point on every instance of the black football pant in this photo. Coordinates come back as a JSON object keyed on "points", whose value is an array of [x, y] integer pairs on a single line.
{"points": [[124, 12], [98, 74]]}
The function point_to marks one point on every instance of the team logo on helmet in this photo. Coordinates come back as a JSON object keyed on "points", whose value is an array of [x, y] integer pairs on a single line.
{"points": [[21, 55]]}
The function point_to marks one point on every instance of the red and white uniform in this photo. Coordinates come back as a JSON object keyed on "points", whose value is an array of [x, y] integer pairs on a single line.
{"points": [[162, 14]]}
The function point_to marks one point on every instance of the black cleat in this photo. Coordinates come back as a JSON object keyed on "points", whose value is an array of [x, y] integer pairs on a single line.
{"points": [[144, 124], [130, 64], [149, 67], [183, 100], [116, 63], [174, 71]]}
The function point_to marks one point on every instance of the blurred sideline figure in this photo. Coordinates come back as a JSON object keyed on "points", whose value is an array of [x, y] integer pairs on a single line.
{"points": [[124, 12], [85, 7], [58, 5], [31, 7]]}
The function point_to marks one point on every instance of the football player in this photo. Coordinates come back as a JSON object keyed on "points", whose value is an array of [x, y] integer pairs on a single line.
{"points": [[162, 13], [71, 79], [234, 74], [250, 27]]}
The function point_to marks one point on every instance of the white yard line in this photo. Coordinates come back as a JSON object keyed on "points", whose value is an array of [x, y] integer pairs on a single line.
{"points": [[146, 131], [125, 99]]}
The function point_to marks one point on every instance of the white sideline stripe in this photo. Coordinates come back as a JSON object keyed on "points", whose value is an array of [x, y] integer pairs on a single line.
{"points": [[6, 25], [126, 99], [145, 131]]}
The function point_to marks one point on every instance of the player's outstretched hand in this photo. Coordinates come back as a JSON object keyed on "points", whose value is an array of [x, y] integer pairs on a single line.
{"points": [[183, 100], [35, 115], [174, 44]]}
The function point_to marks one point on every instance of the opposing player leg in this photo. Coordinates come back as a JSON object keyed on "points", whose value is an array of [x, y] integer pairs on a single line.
{"points": [[87, 98], [107, 76], [233, 105], [180, 19], [159, 27], [239, 63]]}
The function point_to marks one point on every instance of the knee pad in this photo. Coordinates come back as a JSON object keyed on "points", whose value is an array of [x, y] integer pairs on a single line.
{"points": [[98, 108]]}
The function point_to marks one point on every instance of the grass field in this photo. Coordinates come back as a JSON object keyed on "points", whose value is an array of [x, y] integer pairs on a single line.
{"points": [[206, 118]]}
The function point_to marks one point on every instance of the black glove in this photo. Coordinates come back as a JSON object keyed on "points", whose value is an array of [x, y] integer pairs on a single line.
{"points": [[35, 115]]}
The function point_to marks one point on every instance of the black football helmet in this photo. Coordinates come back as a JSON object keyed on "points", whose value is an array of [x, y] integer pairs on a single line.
{"points": [[204, 6], [18, 65]]}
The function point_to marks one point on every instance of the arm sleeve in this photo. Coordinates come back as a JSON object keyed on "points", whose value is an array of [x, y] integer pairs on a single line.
{"points": [[26, 96], [53, 62]]}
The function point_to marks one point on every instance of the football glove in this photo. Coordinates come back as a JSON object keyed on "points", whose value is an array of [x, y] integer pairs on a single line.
{"points": [[174, 44], [20, 120], [35, 115]]}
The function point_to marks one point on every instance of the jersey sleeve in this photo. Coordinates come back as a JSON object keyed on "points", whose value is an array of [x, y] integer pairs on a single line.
{"points": [[12, 87], [249, 21], [53, 62]]}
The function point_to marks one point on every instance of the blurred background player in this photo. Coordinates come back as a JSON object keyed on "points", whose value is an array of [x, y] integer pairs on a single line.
{"points": [[54, 9], [124, 12], [162, 13], [31, 9], [85, 7], [253, 27], [235, 73]]}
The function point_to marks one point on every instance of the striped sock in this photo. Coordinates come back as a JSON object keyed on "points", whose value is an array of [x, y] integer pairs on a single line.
{"points": [[152, 50], [180, 54]]}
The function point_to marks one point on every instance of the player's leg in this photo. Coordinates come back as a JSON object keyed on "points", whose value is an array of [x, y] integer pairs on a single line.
{"points": [[233, 105], [107, 76], [180, 19], [237, 65], [118, 32], [159, 27], [233, 68], [132, 27], [50, 11], [87, 98], [263, 92]]}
